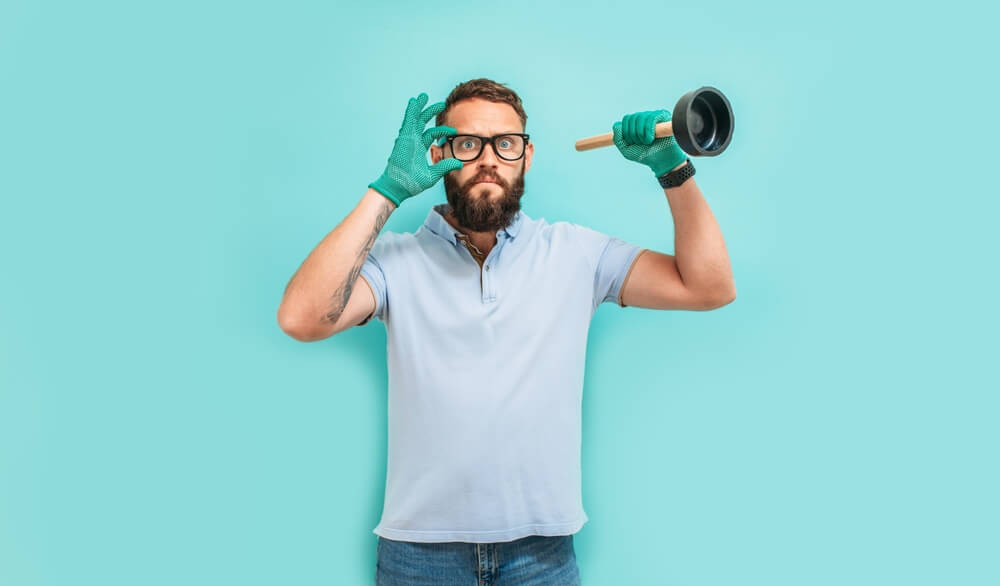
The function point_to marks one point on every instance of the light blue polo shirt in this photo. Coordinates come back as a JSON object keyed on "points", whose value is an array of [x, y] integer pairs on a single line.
{"points": [[486, 375]]}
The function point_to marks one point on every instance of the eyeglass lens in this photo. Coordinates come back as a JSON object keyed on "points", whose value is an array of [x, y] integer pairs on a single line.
{"points": [[507, 146]]}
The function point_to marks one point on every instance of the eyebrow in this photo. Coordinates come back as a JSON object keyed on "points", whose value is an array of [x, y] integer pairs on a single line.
{"points": [[444, 139], [491, 135]]}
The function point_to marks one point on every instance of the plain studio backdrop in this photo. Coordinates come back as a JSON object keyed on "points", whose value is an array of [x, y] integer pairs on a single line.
{"points": [[166, 166]]}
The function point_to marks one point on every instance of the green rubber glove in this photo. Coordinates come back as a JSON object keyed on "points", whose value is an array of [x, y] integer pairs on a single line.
{"points": [[408, 173], [634, 138]]}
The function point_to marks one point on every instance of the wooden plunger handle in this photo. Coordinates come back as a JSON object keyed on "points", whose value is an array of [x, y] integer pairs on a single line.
{"points": [[608, 139]]}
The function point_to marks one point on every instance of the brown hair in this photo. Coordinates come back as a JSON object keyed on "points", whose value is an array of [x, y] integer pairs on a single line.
{"points": [[486, 89]]}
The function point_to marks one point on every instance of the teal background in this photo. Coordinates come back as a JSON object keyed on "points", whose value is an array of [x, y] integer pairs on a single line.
{"points": [[165, 167]]}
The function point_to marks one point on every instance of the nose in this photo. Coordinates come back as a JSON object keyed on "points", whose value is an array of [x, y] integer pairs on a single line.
{"points": [[488, 158]]}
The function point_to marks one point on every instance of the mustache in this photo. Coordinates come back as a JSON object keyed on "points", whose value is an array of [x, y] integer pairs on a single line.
{"points": [[492, 178]]}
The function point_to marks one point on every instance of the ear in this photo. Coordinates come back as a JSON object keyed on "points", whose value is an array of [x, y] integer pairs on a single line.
{"points": [[528, 153], [437, 154]]}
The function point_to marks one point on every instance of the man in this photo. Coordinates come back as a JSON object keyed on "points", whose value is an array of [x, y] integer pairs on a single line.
{"points": [[487, 314]]}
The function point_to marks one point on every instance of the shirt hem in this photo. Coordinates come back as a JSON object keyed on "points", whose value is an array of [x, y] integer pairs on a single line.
{"points": [[549, 530]]}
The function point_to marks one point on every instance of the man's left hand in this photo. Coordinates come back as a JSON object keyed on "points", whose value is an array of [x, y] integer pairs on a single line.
{"points": [[634, 137]]}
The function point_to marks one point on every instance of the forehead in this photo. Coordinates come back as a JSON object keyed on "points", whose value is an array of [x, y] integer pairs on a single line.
{"points": [[483, 117]]}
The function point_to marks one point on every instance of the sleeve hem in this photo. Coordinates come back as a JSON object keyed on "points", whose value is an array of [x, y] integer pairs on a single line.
{"points": [[627, 275], [375, 295]]}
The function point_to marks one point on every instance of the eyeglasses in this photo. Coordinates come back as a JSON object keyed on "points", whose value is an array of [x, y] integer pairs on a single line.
{"points": [[468, 147]]}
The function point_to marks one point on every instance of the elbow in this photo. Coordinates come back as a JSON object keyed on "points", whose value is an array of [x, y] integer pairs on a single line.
{"points": [[294, 328], [306, 330], [295, 334], [720, 299], [725, 299], [302, 335], [286, 323], [292, 331]]}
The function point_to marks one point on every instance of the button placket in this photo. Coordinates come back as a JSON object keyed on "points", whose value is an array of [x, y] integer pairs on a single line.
{"points": [[486, 290], [489, 293]]}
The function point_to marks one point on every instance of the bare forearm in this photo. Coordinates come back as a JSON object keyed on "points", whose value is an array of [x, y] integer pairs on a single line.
{"points": [[699, 249], [318, 292]]}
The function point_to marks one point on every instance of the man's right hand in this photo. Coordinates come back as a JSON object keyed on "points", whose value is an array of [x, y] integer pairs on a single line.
{"points": [[408, 172]]}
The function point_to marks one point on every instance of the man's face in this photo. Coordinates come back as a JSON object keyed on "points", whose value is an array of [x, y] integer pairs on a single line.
{"points": [[484, 206]]}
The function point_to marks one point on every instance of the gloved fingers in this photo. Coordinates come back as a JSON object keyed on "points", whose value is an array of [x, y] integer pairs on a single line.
{"points": [[621, 137], [630, 134], [431, 111], [635, 128], [414, 107], [617, 130], [446, 165], [432, 134], [648, 127], [639, 127], [657, 116]]}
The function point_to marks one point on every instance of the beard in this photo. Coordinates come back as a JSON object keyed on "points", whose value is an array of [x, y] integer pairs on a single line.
{"points": [[483, 212]]}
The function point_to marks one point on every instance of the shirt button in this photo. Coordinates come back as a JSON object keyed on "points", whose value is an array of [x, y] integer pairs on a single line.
{"points": [[487, 267]]}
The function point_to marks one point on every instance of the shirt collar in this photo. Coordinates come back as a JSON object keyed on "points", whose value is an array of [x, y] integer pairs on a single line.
{"points": [[436, 223]]}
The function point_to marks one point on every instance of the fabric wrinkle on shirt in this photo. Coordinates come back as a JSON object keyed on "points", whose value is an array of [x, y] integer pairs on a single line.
{"points": [[485, 362]]}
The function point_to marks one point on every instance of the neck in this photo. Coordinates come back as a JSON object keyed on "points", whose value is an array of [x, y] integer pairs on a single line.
{"points": [[484, 241]]}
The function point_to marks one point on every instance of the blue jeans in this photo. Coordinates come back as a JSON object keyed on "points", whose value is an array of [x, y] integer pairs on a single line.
{"points": [[535, 560]]}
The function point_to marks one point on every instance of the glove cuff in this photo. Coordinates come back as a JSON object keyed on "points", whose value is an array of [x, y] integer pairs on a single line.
{"points": [[390, 189], [663, 167]]}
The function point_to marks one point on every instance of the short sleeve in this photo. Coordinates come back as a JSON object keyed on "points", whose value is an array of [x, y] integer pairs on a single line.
{"points": [[609, 257], [372, 271], [613, 268]]}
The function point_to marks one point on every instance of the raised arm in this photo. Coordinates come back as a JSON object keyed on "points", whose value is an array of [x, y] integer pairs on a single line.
{"points": [[319, 300], [322, 298]]}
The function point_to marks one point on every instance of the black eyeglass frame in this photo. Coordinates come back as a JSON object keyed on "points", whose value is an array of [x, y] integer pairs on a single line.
{"points": [[483, 140]]}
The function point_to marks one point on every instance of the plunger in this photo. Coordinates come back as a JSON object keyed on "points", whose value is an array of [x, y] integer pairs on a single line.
{"points": [[701, 123]]}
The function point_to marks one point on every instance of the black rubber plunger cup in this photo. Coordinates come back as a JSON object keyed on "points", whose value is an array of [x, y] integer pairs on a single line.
{"points": [[701, 123]]}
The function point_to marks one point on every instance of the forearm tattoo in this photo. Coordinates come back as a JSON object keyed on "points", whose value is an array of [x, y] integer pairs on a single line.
{"points": [[343, 293]]}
